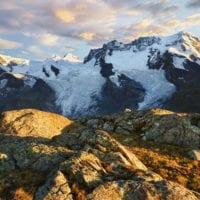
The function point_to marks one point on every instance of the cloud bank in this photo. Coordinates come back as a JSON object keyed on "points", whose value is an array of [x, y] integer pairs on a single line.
{"points": [[51, 23], [7, 44]]}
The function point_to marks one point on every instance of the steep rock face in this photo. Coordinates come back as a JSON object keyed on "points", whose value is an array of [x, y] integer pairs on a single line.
{"points": [[79, 163], [186, 79], [188, 93], [114, 98], [19, 91]]}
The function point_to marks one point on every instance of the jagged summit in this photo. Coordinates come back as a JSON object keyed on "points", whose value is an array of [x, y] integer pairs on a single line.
{"points": [[71, 58], [182, 41], [186, 34], [68, 57], [56, 57]]}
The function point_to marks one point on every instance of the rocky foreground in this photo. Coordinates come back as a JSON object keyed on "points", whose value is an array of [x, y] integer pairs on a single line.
{"points": [[161, 126], [47, 156]]}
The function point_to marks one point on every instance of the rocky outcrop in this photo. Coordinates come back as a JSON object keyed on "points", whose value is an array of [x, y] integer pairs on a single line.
{"points": [[78, 163], [117, 190], [158, 125]]}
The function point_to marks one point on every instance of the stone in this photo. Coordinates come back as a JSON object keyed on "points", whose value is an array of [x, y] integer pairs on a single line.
{"points": [[23, 152], [33, 123], [195, 119], [121, 130], [130, 189], [6, 163], [101, 144], [56, 188], [93, 123], [107, 126], [173, 129], [194, 154], [112, 145], [85, 168]]}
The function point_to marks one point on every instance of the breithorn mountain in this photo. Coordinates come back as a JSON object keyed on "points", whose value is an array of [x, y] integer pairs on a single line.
{"points": [[148, 72]]}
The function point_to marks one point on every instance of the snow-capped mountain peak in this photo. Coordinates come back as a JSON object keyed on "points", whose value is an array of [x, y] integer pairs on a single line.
{"points": [[56, 57], [183, 44], [71, 58], [5, 60], [68, 57]]}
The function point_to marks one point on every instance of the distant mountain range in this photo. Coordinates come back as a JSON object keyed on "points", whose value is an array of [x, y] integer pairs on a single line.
{"points": [[149, 72]]}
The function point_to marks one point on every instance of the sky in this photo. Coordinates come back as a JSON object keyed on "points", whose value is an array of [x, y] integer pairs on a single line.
{"points": [[38, 29]]}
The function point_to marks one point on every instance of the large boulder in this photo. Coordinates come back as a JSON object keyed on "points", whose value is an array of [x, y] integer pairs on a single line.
{"points": [[33, 123]]}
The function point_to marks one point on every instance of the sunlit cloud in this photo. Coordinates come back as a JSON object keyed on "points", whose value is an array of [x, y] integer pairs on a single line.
{"points": [[143, 24], [173, 23], [193, 20], [87, 35], [133, 12], [64, 15], [53, 24], [48, 39], [7, 44]]}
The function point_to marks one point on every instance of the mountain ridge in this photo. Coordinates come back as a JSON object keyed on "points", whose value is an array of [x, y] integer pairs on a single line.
{"points": [[145, 73]]}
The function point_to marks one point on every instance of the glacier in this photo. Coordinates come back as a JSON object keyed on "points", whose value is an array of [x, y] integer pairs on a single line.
{"points": [[78, 86]]}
